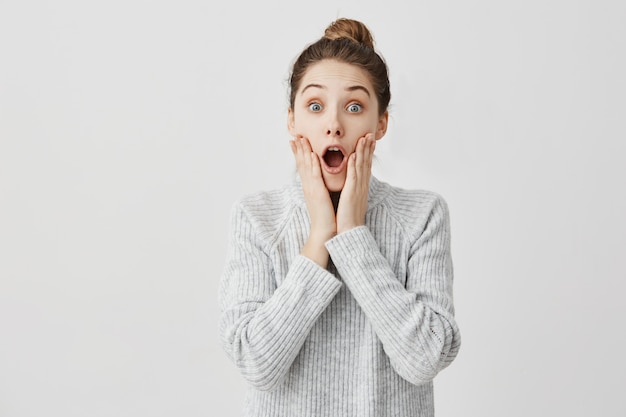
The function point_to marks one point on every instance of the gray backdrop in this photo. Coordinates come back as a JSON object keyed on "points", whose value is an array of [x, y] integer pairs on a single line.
{"points": [[128, 128]]}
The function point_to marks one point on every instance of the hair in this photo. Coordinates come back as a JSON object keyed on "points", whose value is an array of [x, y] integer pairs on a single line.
{"points": [[348, 41]]}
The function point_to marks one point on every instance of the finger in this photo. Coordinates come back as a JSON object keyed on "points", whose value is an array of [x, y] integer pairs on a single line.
{"points": [[308, 150], [305, 153], [360, 155], [302, 159], [364, 159], [316, 167], [306, 144], [371, 145], [308, 155], [351, 173], [298, 145], [297, 148], [313, 158]]}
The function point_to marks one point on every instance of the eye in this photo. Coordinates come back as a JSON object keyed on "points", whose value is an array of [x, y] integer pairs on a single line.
{"points": [[355, 108], [315, 107]]}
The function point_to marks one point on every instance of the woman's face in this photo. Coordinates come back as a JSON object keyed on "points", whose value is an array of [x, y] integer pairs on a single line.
{"points": [[334, 107]]}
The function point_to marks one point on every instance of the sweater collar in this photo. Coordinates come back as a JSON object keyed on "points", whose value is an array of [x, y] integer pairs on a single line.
{"points": [[377, 192]]}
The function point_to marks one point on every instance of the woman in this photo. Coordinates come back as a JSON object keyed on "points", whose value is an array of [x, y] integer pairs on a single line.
{"points": [[336, 296]]}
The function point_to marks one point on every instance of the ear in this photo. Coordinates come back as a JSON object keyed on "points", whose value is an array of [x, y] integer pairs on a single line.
{"points": [[381, 129], [291, 123]]}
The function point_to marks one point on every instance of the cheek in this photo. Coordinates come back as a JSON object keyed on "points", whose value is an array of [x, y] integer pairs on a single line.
{"points": [[365, 123], [372, 126], [304, 125]]}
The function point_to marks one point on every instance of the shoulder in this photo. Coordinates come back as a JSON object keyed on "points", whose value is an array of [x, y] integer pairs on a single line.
{"points": [[407, 202], [267, 212], [413, 209]]}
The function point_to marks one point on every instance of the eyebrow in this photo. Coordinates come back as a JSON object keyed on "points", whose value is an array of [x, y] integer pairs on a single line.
{"points": [[358, 87], [351, 88], [312, 85]]}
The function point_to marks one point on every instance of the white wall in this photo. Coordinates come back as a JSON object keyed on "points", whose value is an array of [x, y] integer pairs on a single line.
{"points": [[128, 128]]}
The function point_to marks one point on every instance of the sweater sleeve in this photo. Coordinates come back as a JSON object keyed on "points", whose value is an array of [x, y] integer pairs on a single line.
{"points": [[263, 326], [414, 322]]}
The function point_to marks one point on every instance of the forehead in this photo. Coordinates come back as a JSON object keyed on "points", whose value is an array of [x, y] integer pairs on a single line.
{"points": [[335, 74]]}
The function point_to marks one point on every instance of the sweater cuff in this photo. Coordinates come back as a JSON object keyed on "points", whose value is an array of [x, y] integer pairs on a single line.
{"points": [[353, 243], [313, 279]]}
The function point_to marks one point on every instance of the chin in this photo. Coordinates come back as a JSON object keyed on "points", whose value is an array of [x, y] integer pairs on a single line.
{"points": [[334, 189], [335, 185]]}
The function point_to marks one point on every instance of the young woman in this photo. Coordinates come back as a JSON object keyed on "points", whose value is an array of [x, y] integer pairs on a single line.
{"points": [[336, 296]]}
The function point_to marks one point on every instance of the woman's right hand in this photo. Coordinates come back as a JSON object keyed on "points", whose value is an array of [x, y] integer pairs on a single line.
{"points": [[318, 202]]}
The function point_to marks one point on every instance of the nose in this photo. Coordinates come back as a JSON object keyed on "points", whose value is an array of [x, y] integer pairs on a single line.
{"points": [[334, 126], [336, 132]]}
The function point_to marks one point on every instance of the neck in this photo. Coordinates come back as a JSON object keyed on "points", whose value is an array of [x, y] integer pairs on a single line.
{"points": [[334, 197]]}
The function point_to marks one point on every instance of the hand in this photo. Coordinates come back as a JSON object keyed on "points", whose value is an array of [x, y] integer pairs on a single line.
{"points": [[353, 201], [318, 202]]}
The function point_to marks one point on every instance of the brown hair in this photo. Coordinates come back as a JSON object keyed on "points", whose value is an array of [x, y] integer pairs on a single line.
{"points": [[349, 41]]}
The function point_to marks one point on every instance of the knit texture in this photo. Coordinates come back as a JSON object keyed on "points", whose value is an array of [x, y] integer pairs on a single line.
{"points": [[364, 337]]}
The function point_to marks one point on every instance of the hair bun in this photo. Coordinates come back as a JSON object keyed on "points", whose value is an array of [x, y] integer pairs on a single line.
{"points": [[350, 29]]}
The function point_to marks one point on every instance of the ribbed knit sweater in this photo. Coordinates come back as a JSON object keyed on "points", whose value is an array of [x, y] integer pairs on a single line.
{"points": [[363, 337]]}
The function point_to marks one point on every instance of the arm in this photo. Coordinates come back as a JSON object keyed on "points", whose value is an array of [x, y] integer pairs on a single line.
{"points": [[415, 322], [263, 326]]}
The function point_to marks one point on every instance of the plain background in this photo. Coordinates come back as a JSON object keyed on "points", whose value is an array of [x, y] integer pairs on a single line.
{"points": [[128, 128]]}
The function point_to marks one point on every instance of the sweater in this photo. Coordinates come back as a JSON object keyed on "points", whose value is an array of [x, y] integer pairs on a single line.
{"points": [[364, 336]]}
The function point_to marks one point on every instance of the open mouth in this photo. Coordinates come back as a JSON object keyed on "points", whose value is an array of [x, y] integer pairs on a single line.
{"points": [[333, 157]]}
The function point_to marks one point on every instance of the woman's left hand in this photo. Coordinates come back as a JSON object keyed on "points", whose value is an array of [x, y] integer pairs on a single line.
{"points": [[353, 201]]}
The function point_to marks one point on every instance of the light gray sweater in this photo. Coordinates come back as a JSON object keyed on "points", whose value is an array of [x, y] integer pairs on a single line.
{"points": [[364, 337]]}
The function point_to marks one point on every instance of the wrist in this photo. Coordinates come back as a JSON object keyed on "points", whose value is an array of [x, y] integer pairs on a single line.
{"points": [[321, 236], [316, 251], [349, 225], [347, 228]]}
